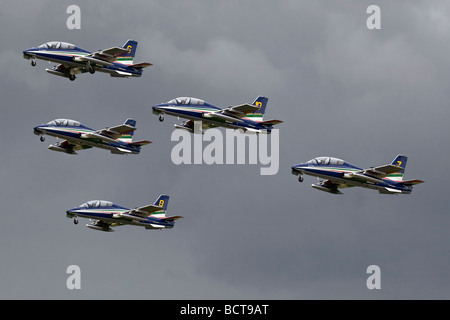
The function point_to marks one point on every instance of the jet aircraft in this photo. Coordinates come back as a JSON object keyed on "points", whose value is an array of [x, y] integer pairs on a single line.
{"points": [[387, 179], [73, 60], [248, 117], [77, 136], [106, 215]]}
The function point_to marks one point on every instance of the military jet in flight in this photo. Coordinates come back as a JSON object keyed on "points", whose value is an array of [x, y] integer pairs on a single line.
{"points": [[73, 60], [248, 117], [106, 215], [77, 136], [387, 179]]}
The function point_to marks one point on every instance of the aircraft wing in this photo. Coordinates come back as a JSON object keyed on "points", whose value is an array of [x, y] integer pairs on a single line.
{"points": [[103, 57], [382, 171], [140, 213], [68, 147], [239, 111], [373, 175], [145, 211], [189, 126], [328, 186], [116, 131], [110, 54]]}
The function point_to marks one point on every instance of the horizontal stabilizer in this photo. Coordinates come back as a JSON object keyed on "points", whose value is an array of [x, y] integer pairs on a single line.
{"points": [[141, 65], [411, 182], [271, 122], [172, 218], [141, 143]]}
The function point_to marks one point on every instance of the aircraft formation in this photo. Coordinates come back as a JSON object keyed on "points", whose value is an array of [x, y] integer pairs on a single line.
{"points": [[119, 62]]}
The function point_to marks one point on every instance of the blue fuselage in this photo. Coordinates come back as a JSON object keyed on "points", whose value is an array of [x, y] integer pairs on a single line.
{"points": [[343, 173], [112, 214], [68, 57], [205, 113], [74, 134]]}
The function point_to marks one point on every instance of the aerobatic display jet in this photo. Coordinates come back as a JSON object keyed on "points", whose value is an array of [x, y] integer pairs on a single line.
{"points": [[387, 179], [106, 215], [77, 136], [73, 60], [248, 117]]}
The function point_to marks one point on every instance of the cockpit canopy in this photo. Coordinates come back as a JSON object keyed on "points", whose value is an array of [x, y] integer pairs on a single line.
{"points": [[326, 161], [64, 123], [97, 204], [60, 46], [186, 100], [57, 45]]}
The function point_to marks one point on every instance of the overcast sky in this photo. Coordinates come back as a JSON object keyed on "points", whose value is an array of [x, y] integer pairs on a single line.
{"points": [[342, 90]]}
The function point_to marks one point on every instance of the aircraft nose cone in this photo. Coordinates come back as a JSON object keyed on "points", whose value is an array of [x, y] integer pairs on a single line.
{"points": [[36, 130], [299, 167], [157, 109], [26, 51]]}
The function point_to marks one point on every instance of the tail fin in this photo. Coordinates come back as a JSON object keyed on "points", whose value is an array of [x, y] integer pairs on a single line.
{"points": [[399, 161], [131, 46], [258, 115], [162, 201], [128, 136]]}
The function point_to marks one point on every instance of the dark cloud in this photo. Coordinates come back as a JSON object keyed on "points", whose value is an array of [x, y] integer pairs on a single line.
{"points": [[342, 90]]}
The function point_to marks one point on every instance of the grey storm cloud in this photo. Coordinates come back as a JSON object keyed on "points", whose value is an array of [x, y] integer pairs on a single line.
{"points": [[341, 89]]}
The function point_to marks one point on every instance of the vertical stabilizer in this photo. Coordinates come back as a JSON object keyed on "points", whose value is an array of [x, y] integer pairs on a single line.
{"points": [[399, 161], [128, 136], [162, 202], [258, 115], [131, 46]]}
